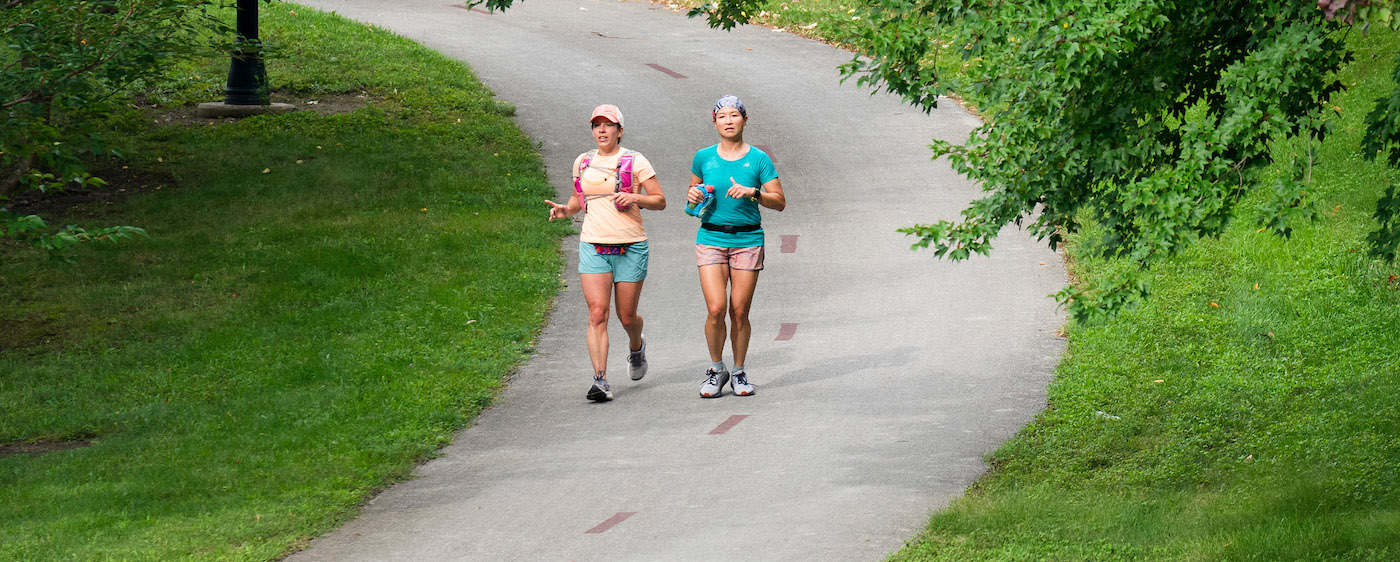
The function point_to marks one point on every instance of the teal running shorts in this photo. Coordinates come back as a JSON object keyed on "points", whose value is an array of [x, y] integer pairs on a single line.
{"points": [[628, 267]]}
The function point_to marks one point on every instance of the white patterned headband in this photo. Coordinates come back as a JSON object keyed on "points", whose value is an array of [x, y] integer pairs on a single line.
{"points": [[730, 101]]}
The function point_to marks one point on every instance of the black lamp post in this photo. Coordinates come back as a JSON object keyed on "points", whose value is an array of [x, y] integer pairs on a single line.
{"points": [[247, 78]]}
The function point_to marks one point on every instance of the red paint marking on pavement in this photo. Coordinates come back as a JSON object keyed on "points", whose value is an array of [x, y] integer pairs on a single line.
{"points": [[472, 9], [611, 522], [786, 331], [728, 424], [768, 151], [789, 244], [665, 70]]}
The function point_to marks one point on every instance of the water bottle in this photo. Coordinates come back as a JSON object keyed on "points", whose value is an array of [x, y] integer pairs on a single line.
{"points": [[696, 209]]}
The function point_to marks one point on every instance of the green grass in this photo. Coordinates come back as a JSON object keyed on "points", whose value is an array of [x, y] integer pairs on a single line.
{"points": [[1247, 411], [322, 301]]}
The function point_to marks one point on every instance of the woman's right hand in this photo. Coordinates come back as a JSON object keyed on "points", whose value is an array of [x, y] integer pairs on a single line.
{"points": [[557, 211], [695, 195]]}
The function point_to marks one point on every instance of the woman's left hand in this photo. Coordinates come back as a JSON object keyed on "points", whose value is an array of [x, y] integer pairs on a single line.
{"points": [[737, 191], [623, 198]]}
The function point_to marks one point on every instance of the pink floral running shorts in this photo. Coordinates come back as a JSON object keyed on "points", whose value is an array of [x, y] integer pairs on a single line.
{"points": [[746, 259]]}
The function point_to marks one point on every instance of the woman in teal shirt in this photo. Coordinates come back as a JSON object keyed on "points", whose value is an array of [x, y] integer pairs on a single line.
{"points": [[729, 244]]}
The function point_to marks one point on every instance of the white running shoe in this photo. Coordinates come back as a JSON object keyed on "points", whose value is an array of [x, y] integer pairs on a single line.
{"points": [[740, 383], [714, 383], [637, 361]]}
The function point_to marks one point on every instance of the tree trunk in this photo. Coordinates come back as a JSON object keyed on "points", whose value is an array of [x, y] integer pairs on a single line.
{"points": [[9, 186]]}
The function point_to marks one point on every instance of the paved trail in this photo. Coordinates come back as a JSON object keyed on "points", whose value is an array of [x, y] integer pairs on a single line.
{"points": [[884, 375]]}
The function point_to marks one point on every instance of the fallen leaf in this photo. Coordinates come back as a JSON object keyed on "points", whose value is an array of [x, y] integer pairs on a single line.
{"points": [[267, 170], [299, 161], [1256, 286], [1159, 381], [1213, 305], [159, 159]]}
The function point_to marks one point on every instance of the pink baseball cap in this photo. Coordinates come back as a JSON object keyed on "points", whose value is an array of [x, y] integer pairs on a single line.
{"points": [[609, 112]]}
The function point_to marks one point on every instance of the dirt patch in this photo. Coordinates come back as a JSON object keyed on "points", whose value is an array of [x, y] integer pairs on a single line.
{"points": [[74, 205], [42, 446], [329, 104]]}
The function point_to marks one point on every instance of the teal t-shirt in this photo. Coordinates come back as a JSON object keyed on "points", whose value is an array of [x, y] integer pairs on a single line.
{"points": [[754, 169]]}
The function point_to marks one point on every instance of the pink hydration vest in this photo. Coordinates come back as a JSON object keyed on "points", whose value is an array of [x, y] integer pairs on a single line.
{"points": [[624, 178]]}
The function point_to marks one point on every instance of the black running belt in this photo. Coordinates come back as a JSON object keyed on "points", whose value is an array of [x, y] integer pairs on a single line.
{"points": [[730, 228]]}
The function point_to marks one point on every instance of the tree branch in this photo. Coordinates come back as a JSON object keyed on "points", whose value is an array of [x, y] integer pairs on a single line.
{"points": [[16, 3], [27, 98]]}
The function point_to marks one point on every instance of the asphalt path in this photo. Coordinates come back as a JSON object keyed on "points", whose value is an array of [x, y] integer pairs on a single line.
{"points": [[884, 375]]}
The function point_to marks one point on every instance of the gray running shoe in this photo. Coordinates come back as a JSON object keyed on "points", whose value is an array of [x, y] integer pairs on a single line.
{"points": [[714, 383], [740, 383], [637, 361], [600, 391]]}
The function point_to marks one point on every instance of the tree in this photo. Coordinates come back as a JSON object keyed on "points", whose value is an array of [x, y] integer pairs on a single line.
{"points": [[1152, 118], [66, 64]]}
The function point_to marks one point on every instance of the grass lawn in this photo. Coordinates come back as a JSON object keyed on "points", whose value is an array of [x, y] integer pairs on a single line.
{"points": [[325, 296]]}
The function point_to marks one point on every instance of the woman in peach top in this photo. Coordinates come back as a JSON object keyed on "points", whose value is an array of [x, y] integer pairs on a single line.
{"points": [[611, 186]]}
